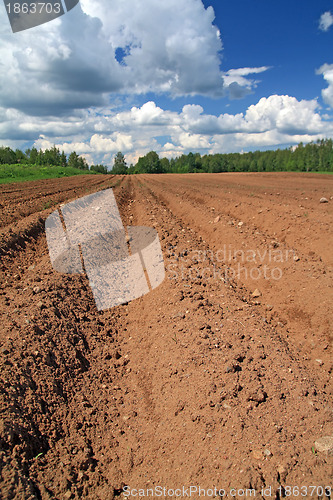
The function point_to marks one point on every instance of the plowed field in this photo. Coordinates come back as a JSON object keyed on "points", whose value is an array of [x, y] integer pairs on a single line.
{"points": [[218, 379]]}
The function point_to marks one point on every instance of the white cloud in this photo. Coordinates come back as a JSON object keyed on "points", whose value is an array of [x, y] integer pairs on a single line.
{"points": [[96, 53], [148, 114], [273, 121], [192, 141], [326, 21], [166, 46], [236, 83], [285, 114], [68, 83], [327, 71], [53, 69], [73, 62], [116, 142]]}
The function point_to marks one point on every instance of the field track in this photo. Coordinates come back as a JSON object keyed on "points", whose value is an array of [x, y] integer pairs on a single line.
{"points": [[220, 377]]}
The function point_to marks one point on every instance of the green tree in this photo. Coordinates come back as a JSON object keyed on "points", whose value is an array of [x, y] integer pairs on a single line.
{"points": [[119, 164], [63, 159], [165, 165], [20, 156], [32, 155], [131, 169], [51, 157], [153, 163], [149, 164], [7, 155], [191, 163], [99, 169], [82, 163], [73, 160]]}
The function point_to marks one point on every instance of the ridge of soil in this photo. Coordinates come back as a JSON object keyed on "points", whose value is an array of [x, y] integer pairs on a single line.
{"points": [[211, 379]]}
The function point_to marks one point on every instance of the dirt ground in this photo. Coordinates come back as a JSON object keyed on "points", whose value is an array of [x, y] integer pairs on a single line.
{"points": [[218, 379]]}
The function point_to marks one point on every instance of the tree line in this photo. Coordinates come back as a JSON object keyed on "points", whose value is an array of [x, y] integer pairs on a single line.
{"points": [[47, 157], [312, 157]]}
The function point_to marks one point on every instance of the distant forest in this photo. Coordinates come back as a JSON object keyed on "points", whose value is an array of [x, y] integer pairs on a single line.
{"points": [[312, 157], [48, 158]]}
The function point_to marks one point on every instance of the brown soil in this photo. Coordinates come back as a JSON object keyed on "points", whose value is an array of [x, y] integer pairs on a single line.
{"points": [[219, 378]]}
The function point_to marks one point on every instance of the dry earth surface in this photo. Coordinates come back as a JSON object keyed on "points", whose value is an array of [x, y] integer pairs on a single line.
{"points": [[218, 378]]}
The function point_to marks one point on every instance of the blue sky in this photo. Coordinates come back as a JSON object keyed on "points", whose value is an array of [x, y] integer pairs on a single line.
{"points": [[284, 35], [176, 76]]}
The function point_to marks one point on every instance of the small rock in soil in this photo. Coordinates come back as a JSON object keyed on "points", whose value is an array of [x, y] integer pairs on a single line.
{"points": [[257, 455], [325, 445]]}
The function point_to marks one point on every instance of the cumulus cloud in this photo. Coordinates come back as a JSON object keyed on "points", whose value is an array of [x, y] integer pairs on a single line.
{"points": [[326, 21], [148, 114], [165, 46], [238, 85], [285, 114], [68, 83], [192, 142], [327, 71], [49, 70], [97, 53], [116, 142], [99, 134], [137, 46]]}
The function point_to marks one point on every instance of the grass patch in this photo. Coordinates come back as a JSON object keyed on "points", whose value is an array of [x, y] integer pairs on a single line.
{"points": [[21, 173], [319, 172]]}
